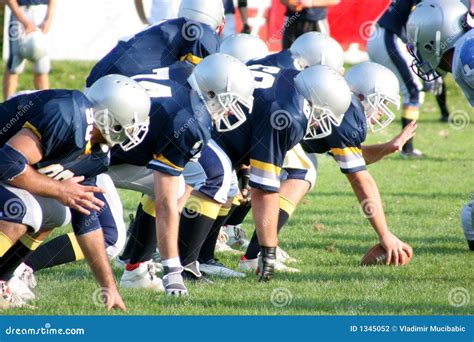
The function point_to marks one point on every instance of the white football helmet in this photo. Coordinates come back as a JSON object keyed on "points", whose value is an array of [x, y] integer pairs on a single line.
{"points": [[377, 87], [244, 47], [34, 46], [225, 85], [433, 28], [315, 48], [210, 12], [121, 109], [329, 98]]}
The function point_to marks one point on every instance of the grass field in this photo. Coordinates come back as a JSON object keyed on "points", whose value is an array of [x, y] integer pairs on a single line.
{"points": [[422, 199]]}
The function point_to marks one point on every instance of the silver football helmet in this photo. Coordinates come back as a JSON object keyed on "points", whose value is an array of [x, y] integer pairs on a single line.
{"points": [[377, 87], [329, 98], [225, 85], [121, 109], [433, 28], [33, 46], [210, 12], [244, 47], [315, 48]]}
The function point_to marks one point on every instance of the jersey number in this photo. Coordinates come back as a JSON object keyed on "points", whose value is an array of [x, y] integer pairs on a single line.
{"points": [[264, 75], [151, 82]]}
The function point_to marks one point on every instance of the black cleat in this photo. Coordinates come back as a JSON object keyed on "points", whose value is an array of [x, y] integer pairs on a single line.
{"points": [[266, 263]]}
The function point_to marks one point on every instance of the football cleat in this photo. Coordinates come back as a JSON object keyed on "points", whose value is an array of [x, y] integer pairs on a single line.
{"points": [[221, 244], [215, 268], [237, 236], [26, 274], [415, 153], [192, 273], [20, 288], [173, 281], [251, 265], [283, 257], [143, 277], [248, 265], [9, 300]]}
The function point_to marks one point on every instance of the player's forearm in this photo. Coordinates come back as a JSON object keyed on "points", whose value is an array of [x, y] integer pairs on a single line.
{"points": [[51, 10], [18, 12], [36, 183], [265, 208], [92, 245], [367, 193], [375, 153]]}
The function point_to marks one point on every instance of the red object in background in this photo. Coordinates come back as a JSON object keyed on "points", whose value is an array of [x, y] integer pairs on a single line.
{"points": [[350, 22]]}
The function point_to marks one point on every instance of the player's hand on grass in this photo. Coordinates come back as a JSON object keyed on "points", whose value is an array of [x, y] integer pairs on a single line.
{"points": [[396, 249], [112, 299], [79, 197], [400, 140]]}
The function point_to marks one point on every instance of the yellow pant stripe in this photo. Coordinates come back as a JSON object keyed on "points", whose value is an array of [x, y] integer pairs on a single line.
{"points": [[411, 113], [75, 246], [5, 244], [223, 211], [30, 242], [32, 128], [148, 205], [286, 205], [203, 206], [235, 201]]}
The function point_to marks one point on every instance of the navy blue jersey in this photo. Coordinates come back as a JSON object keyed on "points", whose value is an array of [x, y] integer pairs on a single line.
{"points": [[32, 2], [345, 141], [396, 16], [179, 124], [308, 14], [282, 60], [157, 47], [277, 123], [61, 119]]}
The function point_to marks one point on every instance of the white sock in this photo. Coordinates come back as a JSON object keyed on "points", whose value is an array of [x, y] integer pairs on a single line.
{"points": [[173, 262]]}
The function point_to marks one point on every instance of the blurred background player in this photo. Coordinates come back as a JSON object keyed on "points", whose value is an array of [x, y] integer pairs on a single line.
{"points": [[305, 16], [386, 46], [160, 10], [230, 24], [27, 16]]}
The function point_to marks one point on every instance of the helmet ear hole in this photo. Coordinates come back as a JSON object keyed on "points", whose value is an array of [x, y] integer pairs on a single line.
{"points": [[361, 97], [117, 128], [211, 94]]}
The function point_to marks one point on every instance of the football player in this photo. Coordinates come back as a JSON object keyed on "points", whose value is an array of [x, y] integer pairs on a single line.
{"points": [[275, 125], [191, 37], [179, 128], [42, 133], [386, 46], [441, 39]]}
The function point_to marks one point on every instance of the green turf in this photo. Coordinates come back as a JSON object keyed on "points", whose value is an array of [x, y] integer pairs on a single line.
{"points": [[423, 200]]}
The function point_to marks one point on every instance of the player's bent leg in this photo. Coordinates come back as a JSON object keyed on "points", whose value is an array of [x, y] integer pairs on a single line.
{"points": [[212, 188]]}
